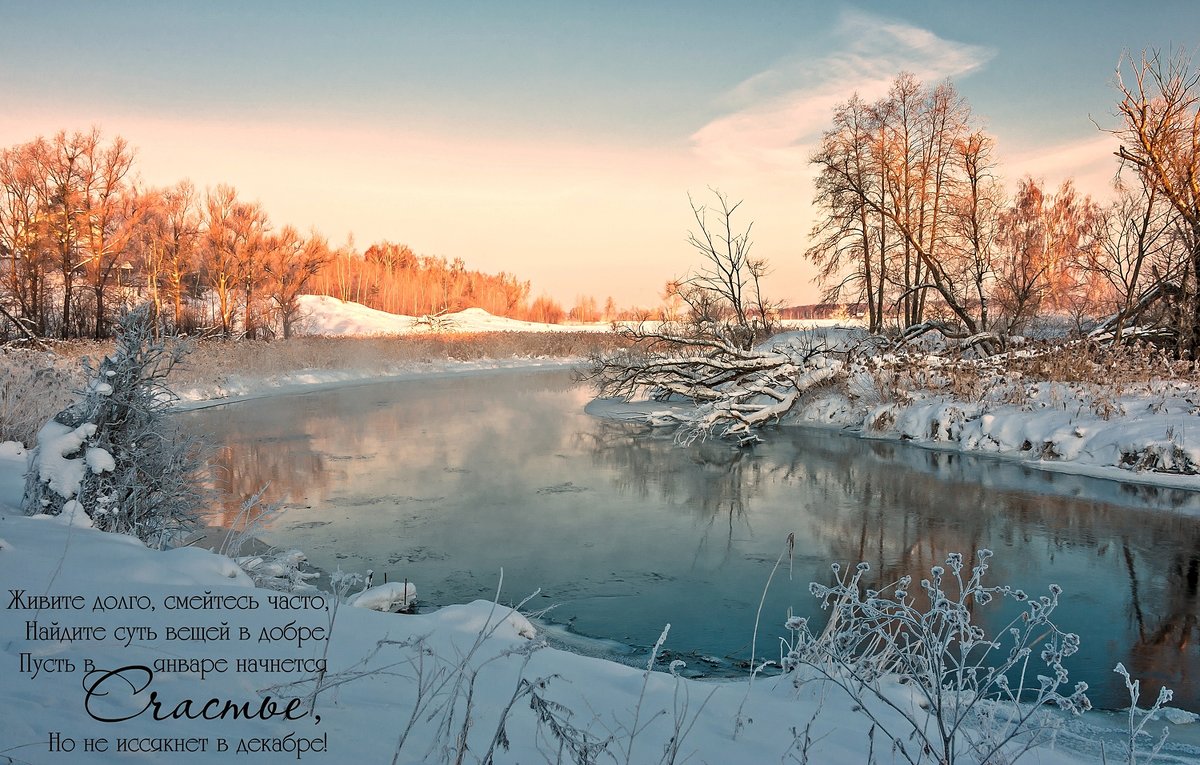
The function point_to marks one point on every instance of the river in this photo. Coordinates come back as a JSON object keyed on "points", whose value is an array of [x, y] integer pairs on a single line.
{"points": [[445, 481]]}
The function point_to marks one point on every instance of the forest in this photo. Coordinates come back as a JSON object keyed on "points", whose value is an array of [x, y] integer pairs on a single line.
{"points": [[81, 240]]}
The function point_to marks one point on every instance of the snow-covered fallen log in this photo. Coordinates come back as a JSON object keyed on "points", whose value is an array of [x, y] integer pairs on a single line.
{"points": [[736, 391]]}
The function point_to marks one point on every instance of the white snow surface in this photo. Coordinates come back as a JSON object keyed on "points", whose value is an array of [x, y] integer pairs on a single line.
{"points": [[325, 315], [99, 460], [54, 467], [360, 719], [1147, 434], [386, 597], [330, 316]]}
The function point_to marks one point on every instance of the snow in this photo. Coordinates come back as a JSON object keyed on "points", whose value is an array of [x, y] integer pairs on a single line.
{"points": [[329, 316], [99, 460], [390, 596], [324, 315], [1141, 436], [54, 467], [361, 718]]}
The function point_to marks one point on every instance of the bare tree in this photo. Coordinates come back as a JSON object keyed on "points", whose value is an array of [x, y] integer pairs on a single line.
{"points": [[724, 295], [233, 245], [1041, 237], [220, 250], [62, 166], [850, 242], [251, 227], [112, 210], [1134, 241], [711, 361], [24, 235], [291, 261], [180, 244], [974, 221], [1160, 141], [892, 177]]}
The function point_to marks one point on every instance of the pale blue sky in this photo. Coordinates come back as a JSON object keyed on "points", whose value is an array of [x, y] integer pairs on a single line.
{"points": [[556, 140]]}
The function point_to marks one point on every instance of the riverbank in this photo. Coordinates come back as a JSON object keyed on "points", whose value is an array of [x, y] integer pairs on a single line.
{"points": [[1128, 414], [387, 669], [400, 688]]}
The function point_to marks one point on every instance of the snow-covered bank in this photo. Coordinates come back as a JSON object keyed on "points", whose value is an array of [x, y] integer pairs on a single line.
{"points": [[1132, 427], [385, 666], [1141, 436]]}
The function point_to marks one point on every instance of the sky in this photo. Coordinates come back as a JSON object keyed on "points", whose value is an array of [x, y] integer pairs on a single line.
{"points": [[559, 141]]}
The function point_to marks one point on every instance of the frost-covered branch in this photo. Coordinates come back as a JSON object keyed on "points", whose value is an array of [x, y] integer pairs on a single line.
{"points": [[736, 391], [955, 689]]}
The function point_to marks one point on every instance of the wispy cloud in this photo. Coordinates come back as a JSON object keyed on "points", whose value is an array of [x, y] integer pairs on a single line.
{"points": [[776, 116], [1088, 161]]}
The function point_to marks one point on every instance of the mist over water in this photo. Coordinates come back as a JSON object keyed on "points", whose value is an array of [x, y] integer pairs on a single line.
{"points": [[444, 481]]}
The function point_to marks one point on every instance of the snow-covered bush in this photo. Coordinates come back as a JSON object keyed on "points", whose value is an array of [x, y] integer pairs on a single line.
{"points": [[920, 659], [115, 454]]}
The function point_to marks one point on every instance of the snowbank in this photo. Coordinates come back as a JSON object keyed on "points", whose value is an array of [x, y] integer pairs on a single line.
{"points": [[361, 719], [386, 597], [1143, 432], [1145, 435], [324, 315]]}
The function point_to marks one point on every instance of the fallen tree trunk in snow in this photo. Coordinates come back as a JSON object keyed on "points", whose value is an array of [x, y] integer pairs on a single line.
{"points": [[736, 391]]}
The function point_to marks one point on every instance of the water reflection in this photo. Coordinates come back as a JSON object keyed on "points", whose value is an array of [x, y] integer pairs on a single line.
{"points": [[444, 482]]}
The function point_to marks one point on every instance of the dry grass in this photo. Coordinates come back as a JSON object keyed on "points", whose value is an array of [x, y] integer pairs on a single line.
{"points": [[34, 386], [1089, 362], [1104, 373]]}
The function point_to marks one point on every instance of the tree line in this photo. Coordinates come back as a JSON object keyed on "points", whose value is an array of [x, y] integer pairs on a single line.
{"points": [[81, 239], [915, 224]]}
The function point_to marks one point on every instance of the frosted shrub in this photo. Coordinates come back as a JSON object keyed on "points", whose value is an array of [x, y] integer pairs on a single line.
{"points": [[927, 677], [1137, 720], [115, 456]]}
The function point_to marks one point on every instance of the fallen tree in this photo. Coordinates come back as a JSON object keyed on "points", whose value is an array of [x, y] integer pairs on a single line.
{"points": [[734, 391]]}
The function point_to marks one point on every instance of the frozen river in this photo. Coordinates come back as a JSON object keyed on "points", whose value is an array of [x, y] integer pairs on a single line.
{"points": [[444, 481]]}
